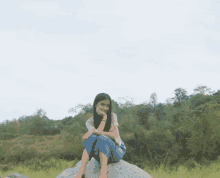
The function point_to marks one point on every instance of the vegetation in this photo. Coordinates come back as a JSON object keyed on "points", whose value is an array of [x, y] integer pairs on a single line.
{"points": [[168, 140]]}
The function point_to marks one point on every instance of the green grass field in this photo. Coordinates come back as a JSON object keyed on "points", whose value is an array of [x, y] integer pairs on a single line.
{"points": [[213, 170]]}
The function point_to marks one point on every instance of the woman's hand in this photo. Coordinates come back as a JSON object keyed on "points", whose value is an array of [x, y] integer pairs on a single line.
{"points": [[87, 135], [96, 133], [102, 114]]}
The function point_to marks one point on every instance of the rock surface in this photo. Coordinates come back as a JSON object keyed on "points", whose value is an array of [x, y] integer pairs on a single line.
{"points": [[122, 169], [16, 175]]}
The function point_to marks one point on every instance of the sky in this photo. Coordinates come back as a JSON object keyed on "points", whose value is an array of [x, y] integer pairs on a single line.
{"points": [[55, 55]]}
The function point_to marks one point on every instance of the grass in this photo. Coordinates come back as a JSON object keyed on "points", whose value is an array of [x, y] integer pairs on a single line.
{"points": [[183, 171], [59, 167]]}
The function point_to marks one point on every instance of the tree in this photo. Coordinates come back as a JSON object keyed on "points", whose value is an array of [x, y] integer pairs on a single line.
{"points": [[216, 96], [36, 125], [87, 108], [13, 127], [22, 118], [84, 108], [127, 104], [153, 99], [205, 131], [180, 95], [169, 101], [159, 111], [202, 90], [40, 113]]}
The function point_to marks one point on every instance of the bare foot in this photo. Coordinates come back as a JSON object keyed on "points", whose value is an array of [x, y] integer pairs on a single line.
{"points": [[103, 176], [78, 175]]}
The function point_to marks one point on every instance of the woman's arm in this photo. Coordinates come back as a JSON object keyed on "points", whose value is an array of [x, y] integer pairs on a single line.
{"points": [[92, 131], [112, 134]]}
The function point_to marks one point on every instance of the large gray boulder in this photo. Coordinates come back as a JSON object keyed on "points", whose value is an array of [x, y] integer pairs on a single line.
{"points": [[16, 175], [121, 169]]}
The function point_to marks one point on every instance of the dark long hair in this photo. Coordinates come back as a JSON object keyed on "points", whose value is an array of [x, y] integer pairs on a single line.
{"points": [[97, 118]]}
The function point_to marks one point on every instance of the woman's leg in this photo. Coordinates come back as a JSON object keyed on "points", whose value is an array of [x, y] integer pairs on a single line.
{"points": [[84, 161], [102, 146], [103, 161]]}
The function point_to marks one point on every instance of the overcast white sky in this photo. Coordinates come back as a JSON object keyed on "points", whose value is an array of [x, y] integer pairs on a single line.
{"points": [[58, 54]]}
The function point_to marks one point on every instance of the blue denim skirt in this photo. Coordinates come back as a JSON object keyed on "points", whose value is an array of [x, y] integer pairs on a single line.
{"points": [[103, 143]]}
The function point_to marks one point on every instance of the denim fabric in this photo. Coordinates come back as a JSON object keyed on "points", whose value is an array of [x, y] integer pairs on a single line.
{"points": [[103, 143]]}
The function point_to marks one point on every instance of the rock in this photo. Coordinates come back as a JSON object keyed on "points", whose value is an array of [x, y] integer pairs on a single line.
{"points": [[16, 175], [121, 169]]}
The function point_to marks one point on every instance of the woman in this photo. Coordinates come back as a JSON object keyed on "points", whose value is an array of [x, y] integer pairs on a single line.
{"points": [[102, 141]]}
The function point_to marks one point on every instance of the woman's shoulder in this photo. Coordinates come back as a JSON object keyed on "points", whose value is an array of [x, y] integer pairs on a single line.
{"points": [[114, 116]]}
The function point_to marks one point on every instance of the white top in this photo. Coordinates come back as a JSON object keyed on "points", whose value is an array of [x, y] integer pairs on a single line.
{"points": [[90, 126]]}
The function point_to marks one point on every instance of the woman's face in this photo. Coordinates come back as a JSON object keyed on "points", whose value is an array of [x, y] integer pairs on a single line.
{"points": [[103, 105]]}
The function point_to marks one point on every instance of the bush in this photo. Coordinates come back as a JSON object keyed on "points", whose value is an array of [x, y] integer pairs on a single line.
{"points": [[205, 132], [8, 136]]}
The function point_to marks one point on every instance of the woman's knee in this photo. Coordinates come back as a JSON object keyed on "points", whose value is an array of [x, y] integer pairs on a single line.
{"points": [[103, 137], [91, 136]]}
